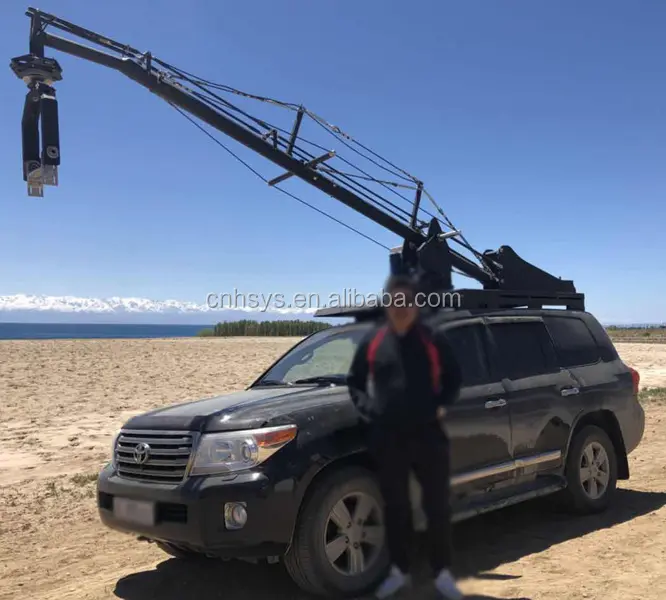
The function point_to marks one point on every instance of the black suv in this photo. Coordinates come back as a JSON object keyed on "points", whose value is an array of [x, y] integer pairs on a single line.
{"points": [[280, 470]]}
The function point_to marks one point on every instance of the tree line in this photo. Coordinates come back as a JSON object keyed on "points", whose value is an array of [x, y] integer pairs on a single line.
{"points": [[623, 327], [250, 328]]}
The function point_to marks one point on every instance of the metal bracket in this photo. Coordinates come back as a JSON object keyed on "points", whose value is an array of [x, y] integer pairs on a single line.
{"points": [[35, 186], [449, 234], [39, 177], [417, 202], [273, 135], [294, 131], [442, 236], [32, 69], [313, 163]]}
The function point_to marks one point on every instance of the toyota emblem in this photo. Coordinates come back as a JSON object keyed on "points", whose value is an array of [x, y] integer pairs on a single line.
{"points": [[141, 453]]}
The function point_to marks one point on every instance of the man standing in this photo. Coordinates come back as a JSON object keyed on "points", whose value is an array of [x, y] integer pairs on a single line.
{"points": [[401, 380]]}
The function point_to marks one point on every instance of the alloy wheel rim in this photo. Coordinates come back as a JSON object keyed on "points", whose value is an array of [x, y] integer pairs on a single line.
{"points": [[594, 470], [354, 534]]}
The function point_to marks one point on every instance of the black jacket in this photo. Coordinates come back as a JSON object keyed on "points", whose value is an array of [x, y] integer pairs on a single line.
{"points": [[404, 390]]}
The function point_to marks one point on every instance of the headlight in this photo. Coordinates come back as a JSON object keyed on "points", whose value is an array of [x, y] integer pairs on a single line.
{"points": [[233, 451]]}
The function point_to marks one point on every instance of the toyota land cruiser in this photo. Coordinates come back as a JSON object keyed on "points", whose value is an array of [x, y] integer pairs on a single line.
{"points": [[280, 469]]}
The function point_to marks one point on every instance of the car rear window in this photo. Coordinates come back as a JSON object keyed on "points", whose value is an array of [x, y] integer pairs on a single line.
{"points": [[469, 349], [573, 341], [524, 349]]}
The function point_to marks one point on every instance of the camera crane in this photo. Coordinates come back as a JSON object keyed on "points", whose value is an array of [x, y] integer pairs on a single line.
{"points": [[507, 280]]}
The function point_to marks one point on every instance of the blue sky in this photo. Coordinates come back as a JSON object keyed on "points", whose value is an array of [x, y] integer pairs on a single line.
{"points": [[541, 125]]}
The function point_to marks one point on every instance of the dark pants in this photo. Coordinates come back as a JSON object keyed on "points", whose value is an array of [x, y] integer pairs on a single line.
{"points": [[425, 451]]}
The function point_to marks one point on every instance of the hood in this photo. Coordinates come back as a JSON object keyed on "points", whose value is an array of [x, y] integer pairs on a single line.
{"points": [[251, 408]]}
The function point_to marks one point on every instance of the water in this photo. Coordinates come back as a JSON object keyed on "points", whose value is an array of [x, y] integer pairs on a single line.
{"points": [[55, 331]]}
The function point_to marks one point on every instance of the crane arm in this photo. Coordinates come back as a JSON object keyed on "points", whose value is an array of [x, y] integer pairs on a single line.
{"points": [[425, 249]]}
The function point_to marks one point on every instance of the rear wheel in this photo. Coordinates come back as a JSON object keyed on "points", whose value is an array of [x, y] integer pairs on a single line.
{"points": [[591, 471], [339, 545]]}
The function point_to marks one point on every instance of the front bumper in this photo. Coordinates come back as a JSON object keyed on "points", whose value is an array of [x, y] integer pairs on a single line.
{"points": [[191, 514]]}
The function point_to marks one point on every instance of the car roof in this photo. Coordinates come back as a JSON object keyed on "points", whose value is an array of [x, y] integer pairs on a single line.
{"points": [[442, 316]]}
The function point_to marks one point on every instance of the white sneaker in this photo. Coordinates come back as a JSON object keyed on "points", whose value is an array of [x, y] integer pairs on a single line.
{"points": [[446, 586], [394, 582]]}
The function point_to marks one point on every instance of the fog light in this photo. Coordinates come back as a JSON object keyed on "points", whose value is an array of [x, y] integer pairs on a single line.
{"points": [[235, 515]]}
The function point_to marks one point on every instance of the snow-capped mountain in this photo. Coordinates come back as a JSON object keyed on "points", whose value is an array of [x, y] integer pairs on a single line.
{"points": [[25, 308]]}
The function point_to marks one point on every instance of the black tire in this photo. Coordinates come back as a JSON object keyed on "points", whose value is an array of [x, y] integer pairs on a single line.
{"points": [[306, 561], [179, 552], [578, 496]]}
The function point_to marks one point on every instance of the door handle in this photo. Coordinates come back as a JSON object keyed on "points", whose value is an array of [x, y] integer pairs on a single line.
{"points": [[495, 403], [571, 391]]}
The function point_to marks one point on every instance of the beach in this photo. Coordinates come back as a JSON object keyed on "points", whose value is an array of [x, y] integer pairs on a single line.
{"points": [[62, 401]]}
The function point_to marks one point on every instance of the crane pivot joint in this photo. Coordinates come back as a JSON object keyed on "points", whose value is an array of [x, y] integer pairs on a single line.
{"points": [[33, 69]]}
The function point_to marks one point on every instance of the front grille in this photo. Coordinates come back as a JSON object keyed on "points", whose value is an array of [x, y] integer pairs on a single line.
{"points": [[156, 456]]}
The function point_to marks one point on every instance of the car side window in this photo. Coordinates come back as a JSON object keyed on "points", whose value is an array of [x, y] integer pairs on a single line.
{"points": [[573, 341], [523, 349], [468, 346]]}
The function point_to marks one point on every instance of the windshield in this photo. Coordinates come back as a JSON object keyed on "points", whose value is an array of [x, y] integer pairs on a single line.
{"points": [[323, 358]]}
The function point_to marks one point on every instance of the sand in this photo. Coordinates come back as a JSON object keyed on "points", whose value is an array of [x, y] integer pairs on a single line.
{"points": [[61, 401]]}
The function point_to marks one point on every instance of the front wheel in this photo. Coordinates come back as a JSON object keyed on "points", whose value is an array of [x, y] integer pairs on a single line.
{"points": [[339, 546], [591, 471]]}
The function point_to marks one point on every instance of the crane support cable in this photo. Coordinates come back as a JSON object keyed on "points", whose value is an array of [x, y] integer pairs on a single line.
{"points": [[362, 190], [335, 130], [358, 188], [277, 187], [461, 237], [204, 84]]}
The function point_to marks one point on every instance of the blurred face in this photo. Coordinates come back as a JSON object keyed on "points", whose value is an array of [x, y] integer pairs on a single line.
{"points": [[401, 310]]}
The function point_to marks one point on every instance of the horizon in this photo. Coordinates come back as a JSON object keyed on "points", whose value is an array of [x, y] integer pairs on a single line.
{"points": [[170, 312], [646, 325]]}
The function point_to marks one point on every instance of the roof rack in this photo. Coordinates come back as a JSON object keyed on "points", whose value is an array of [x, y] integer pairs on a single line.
{"points": [[470, 299]]}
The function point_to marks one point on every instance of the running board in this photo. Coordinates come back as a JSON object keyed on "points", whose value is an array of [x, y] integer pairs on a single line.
{"points": [[549, 485]]}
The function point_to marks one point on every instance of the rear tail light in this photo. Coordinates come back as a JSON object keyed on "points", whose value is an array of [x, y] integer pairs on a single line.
{"points": [[635, 378]]}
